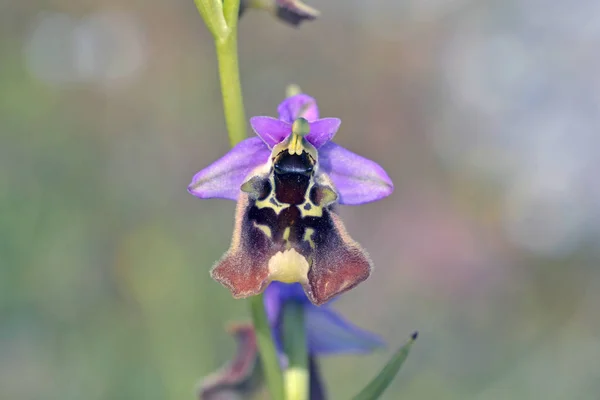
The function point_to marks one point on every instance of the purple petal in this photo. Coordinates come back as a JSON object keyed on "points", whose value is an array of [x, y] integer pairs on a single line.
{"points": [[276, 295], [358, 180], [322, 131], [273, 301], [288, 292], [274, 298], [270, 130], [328, 333], [300, 105], [224, 177]]}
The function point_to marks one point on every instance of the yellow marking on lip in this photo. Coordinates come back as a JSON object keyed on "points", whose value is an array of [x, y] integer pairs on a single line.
{"points": [[308, 237], [286, 234], [270, 201], [265, 229], [314, 211], [288, 266], [266, 203], [252, 186], [328, 196]]}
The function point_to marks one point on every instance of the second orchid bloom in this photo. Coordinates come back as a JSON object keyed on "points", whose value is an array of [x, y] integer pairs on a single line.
{"points": [[287, 182]]}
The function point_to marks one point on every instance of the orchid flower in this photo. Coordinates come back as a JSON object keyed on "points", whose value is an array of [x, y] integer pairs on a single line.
{"points": [[287, 182]]}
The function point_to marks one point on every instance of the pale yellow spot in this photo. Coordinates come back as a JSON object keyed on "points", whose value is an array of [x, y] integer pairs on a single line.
{"points": [[296, 383], [286, 234], [251, 185], [314, 211], [266, 230], [288, 266], [328, 196], [267, 203], [308, 237]]}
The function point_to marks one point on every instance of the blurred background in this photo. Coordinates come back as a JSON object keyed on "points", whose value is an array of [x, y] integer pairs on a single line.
{"points": [[485, 114]]}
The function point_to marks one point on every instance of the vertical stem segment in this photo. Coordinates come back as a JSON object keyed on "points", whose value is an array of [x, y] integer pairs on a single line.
{"points": [[222, 22], [266, 348], [231, 88], [296, 348], [212, 13]]}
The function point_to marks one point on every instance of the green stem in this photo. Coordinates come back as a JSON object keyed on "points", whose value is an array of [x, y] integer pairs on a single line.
{"points": [[231, 10], [212, 14], [233, 105], [295, 346], [221, 20], [266, 347]]}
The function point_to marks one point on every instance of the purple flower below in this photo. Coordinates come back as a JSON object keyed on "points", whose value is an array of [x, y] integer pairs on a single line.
{"points": [[327, 334]]}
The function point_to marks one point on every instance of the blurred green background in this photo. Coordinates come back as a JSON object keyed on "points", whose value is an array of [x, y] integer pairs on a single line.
{"points": [[484, 113]]}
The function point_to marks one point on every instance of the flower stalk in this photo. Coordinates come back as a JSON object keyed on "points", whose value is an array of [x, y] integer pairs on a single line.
{"points": [[221, 18], [231, 89], [266, 347], [212, 14], [296, 349]]}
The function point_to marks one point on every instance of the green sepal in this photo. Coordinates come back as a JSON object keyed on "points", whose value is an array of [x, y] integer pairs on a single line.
{"points": [[378, 385]]}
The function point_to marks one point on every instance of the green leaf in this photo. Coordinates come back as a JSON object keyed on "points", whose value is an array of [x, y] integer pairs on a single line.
{"points": [[378, 385]]}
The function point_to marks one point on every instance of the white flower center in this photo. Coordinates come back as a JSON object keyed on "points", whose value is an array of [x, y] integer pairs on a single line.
{"points": [[288, 266]]}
